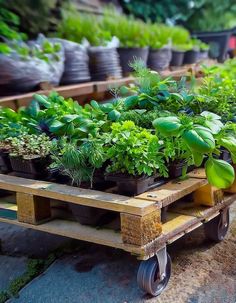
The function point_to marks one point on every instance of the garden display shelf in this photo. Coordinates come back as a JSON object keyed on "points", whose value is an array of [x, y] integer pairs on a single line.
{"points": [[94, 88], [144, 225]]}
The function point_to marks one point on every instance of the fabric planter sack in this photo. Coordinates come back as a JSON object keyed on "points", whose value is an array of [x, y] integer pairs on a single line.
{"points": [[104, 63], [177, 58], [159, 59], [76, 67]]}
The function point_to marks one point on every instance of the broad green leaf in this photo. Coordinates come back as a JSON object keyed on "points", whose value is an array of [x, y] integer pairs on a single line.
{"points": [[219, 173], [69, 118], [198, 158], [199, 139], [56, 125], [167, 125], [131, 101], [114, 115], [43, 100]]}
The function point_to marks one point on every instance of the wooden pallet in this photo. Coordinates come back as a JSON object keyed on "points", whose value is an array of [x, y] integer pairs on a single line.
{"points": [[141, 231]]}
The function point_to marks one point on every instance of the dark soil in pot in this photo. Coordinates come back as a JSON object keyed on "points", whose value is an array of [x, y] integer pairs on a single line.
{"points": [[5, 164], [104, 63], [177, 58], [34, 168], [159, 59], [128, 55], [191, 56], [132, 186]]}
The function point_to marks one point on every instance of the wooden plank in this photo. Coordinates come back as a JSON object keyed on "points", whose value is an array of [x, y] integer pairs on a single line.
{"points": [[77, 231], [32, 209], [76, 195], [139, 230], [66, 91], [198, 173], [207, 195], [102, 86], [172, 191]]}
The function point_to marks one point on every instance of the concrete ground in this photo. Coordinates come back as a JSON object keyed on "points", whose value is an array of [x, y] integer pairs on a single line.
{"points": [[201, 273]]}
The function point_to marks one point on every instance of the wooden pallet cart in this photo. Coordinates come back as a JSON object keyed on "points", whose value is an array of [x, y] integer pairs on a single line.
{"points": [[144, 226]]}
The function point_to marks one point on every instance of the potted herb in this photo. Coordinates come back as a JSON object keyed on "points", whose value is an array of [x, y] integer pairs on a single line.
{"points": [[159, 56], [79, 162], [191, 56], [204, 51], [180, 44], [87, 30], [179, 159], [201, 142], [136, 164], [10, 127], [30, 155], [132, 35]]}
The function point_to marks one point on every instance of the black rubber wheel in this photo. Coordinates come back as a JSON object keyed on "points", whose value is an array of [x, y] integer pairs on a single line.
{"points": [[148, 277], [215, 230]]}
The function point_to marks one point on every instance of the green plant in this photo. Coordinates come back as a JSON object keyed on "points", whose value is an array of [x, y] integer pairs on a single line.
{"points": [[76, 26], [159, 35], [201, 143], [134, 151], [130, 31], [46, 51], [79, 161], [31, 146]]}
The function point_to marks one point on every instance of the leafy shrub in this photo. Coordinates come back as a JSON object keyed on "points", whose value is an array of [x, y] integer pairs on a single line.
{"points": [[133, 150]]}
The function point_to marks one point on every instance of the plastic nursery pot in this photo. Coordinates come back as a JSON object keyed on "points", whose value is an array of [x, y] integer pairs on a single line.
{"points": [[128, 55], [191, 56], [35, 168], [159, 59], [5, 163], [132, 186], [225, 155], [203, 55], [177, 58], [218, 42], [104, 63], [176, 167], [86, 215]]}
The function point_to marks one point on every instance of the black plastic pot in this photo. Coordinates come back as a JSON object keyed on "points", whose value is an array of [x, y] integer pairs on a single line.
{"points": [[35, 168], [86, 215], [191, 56], [159, 59], [132, 186], [218, 42], [203, 55], [225, 155], [128, 55], [5, 164], [175, 168], [177, 58], [104, 63]]}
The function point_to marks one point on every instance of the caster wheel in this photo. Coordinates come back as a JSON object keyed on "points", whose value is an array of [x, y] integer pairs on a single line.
{"points": [[217, 228], [148, 276]]}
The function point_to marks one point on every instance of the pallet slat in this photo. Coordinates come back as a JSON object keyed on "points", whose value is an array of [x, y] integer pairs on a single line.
{"points": [[172, 191], [75, 195], [176, 226]]}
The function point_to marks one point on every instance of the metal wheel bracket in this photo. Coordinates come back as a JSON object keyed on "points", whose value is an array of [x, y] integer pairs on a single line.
{"points": [[224, 217], [162, 261]]}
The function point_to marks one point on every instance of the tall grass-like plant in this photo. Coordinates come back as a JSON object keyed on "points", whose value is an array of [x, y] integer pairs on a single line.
{"points": [[76, 26], [130, 31]]}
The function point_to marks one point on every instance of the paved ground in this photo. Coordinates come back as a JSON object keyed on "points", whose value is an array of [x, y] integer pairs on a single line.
{"points": [[202, 272]]}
